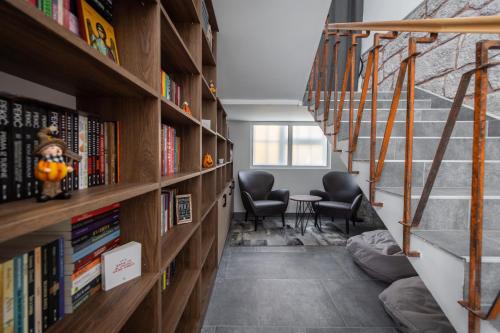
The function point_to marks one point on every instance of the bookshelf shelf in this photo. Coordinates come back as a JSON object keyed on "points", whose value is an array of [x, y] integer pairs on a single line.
{"points": [[173, 113], [179, 294], [21, 217], [31, 43], [89, 317], [176, 238], [151, 36], [175, 54]]}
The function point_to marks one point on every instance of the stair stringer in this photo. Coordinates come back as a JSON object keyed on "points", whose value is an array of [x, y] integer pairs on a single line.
{"points": [[442, 272]]}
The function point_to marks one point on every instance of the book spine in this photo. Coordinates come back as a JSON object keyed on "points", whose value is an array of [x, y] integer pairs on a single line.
{"points": [[94, 213], [97, 225], [85, 290], [75, 144], [60, 275], [86, 296], [17, 150], [25, 293], [69, 144], [47, 7], [114, 214], [97, 253], [18, 294], [90, 151], [1, 298], [31, 292], [83, 253], [83, 150], [45, 287], [85, 278], [37, 125], [63, 133], [4, 151], [38, 290], [29, 176], [101, 153], [93, 239], [8, 296]]}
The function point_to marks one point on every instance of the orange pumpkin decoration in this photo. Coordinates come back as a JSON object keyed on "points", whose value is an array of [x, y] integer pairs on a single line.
{"points": [[57, 171], [208, 162]]}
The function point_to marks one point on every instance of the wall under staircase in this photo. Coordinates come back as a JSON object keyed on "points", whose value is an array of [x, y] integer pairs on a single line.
{"points": [[442, 237]]}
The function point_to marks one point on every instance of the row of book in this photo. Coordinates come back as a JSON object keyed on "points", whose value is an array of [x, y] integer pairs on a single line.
{"points": [[97, 142], [170, 89], [167, 210], [170, 151], [205, 23], [63, 12], [85, 238], [168, 275]]}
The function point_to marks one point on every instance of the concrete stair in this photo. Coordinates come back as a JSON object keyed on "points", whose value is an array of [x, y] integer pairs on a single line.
{"points": [[442, 237]]}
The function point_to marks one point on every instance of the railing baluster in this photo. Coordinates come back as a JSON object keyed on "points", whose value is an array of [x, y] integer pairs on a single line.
{"points": [[328, 97], [343, 92], [361, 106], [324, 75]]}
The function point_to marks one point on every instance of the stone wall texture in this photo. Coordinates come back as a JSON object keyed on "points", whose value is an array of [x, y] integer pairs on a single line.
{"points": [[442, 63]]}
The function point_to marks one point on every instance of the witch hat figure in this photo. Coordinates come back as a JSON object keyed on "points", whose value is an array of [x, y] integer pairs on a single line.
{"points": [[51, 167]]}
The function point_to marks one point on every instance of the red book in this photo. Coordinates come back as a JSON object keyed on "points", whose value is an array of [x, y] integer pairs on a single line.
{"points": [[100, 211], [66, 13], [97, 253], [101, 153]]}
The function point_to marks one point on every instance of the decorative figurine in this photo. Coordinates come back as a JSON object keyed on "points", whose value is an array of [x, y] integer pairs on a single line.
{"points": [[51, 168], [213, 90], [185, 107], [208, 162]]}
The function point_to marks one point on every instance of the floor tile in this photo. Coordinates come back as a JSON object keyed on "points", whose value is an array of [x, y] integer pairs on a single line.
{"points": [[352, 330], [233, 302], [208, 329], [347, 263], [295, 302], [255, 329], [357, 302]]}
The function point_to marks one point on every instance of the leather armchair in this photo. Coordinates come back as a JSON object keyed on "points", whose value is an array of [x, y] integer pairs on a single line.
{"points": [[258, 197], [341, 198]]}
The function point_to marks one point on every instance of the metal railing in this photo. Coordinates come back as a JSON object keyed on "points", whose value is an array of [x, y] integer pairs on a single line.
{"points": [[389, 30]]}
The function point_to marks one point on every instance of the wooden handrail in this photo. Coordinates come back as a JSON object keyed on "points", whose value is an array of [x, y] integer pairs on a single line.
{"points": [[483, 24]]}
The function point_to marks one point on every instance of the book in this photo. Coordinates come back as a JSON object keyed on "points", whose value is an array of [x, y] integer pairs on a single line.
{"points": [[17, 150], [8, 296], [120, 265], [5, 174], [96, 31], [30, 280]]}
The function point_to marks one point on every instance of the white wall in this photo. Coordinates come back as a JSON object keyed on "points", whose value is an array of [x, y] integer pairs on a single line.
{"points": [[385, 10], [298, 181]]}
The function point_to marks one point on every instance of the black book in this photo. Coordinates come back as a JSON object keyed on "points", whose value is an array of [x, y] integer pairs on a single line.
{"points": [[29, 172], [63, 135], [103, 7], [98, 152], [76, 149], [39, 121], [5, 172], [31, 292], [54, 282], [69, 144], [17, 136], [90, 144], [45, 286]]}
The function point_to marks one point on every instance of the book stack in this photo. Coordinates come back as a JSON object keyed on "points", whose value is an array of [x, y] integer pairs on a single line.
{"points": [[205, 23], [170, 151], [168, 275], [86, 237], [170, 89], [63, 12], [32, 284], [167, 210], [97, 142]]}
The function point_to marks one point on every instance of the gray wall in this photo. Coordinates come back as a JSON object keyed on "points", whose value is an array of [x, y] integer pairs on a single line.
{"points": [[298, 181]]}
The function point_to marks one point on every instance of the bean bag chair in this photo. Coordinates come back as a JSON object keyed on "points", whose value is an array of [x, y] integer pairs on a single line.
{"points": [[378, 254], [413, 308]]}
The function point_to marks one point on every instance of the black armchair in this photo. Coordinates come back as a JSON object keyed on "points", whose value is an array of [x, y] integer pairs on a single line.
{"points": [[341, 198], [258, 197]]}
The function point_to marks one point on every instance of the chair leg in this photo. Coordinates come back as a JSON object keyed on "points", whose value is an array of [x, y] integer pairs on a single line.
{"points": [[246, 216], [333, 219], [283, 219], [256, 222], [347, 226]]}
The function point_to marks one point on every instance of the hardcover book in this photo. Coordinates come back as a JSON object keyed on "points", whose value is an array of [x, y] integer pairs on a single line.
{"points": [[121, 265]]}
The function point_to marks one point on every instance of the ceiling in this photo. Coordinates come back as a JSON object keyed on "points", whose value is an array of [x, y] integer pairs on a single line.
{"points": [[265, 49]]}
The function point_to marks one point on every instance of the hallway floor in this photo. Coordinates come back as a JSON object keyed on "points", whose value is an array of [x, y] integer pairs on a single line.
{"points": [[294, 289]]}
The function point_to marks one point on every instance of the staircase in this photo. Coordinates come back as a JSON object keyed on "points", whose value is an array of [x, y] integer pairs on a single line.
{"points": [[442, 238]]}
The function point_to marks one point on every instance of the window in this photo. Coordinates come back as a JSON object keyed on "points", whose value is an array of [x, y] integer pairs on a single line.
{"points": [[289, 146]]}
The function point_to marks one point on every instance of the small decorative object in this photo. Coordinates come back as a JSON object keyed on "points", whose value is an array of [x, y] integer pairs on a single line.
{"points": [[51, 168], [120, 265], [208, 162], [206, 123], [96, 31], [186, 108], [221, 160], [213, 90], [183, 208]]}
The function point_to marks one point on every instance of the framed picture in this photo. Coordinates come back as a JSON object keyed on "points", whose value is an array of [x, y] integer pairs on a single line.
{"points": [[184, 208], [96, 31]]}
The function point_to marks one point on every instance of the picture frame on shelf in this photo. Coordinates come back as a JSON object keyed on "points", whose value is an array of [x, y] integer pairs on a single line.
{"points": [[184, 208]]}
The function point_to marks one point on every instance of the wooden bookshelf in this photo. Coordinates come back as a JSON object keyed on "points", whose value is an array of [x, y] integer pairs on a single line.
{"points": [[151, 35]]}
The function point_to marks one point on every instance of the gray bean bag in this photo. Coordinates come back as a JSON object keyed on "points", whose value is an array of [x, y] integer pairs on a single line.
{"points": [[413, 308], [378, 254]]}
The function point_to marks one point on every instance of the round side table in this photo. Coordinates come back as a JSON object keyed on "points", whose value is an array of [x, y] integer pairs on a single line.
{"points": [[304, 210]]}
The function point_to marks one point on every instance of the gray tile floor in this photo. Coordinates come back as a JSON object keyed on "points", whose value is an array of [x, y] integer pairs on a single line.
{"points": [[294, 290]]}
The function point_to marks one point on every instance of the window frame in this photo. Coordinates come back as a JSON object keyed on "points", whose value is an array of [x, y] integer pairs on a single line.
{"points": [[290, 148]]}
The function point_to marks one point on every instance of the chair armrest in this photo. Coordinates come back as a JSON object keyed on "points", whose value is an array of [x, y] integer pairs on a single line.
{"points": [[248, 198], [280, 195], [324, 196], [356, 203]]}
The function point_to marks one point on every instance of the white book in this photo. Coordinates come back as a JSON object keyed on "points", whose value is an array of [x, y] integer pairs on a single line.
{"points": [[120, 265]]}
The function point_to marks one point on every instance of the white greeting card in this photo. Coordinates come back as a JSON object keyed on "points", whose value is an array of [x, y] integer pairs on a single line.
{"points": [[120, 265]]}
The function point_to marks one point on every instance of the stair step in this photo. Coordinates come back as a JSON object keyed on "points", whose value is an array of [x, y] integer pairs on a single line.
{"points": [[448, 208], [451, 173], [384, 103], [421, 128], [381, 95], [424, 148]]}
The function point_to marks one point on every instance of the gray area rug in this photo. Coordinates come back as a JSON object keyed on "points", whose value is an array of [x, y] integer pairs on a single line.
{"points": [[270, 233]]}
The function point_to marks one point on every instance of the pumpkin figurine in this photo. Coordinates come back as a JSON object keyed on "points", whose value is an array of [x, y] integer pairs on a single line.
{"points": [[213, 90], [208, 162], [185, 107], [51, 167]]}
